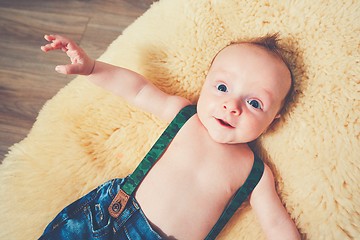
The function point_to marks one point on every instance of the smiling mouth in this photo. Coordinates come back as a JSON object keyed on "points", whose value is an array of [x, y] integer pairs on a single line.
{"points": [[224, 123]]}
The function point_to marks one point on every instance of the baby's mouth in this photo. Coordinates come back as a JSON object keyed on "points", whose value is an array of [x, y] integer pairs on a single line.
{"points": [[224, 123]]}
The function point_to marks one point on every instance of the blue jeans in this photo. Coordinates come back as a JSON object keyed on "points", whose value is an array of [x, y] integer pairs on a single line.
{"points": [[88, 218]]}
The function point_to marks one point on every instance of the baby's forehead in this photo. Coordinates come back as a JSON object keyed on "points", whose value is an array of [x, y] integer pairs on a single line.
{"points": [[243, 49]]}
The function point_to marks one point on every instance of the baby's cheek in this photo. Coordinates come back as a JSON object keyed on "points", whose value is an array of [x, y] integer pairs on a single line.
{"points": [[256, 128]]}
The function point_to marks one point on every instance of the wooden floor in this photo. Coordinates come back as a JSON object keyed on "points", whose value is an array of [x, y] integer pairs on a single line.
{"points": [[25, 70]]}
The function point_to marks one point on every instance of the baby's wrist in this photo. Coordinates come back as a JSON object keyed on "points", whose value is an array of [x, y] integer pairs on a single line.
{"points": [[92, 67]]}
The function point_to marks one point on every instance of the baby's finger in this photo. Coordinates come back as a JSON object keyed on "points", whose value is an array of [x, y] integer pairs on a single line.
{"points": [[58, 38], [64, 40], [61, 69], [58, 41], [49, 38], [53, 45], [57, 44], [75, 68], [46, 48]]}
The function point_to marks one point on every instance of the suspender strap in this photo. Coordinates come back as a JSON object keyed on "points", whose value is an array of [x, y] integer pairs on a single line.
{"points": [[240, 196], [158, 149], [119, 202], [132, 182]]}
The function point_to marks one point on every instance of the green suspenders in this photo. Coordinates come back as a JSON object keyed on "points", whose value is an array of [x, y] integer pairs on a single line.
{"points": [[120, 200], [240, 196], [158, 148]]}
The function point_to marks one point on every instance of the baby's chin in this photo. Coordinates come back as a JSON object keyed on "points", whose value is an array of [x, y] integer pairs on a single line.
{"points": [[223, 139]]}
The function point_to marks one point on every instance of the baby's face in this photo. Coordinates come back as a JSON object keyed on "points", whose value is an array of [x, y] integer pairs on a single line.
{"points": [[242, 93]]}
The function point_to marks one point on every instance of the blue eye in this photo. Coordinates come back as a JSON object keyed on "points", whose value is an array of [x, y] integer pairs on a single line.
{"points": [[254, 103], [222, 87]]}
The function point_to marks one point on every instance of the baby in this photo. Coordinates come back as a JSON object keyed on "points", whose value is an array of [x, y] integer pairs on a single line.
{"points": [[201, 169]]}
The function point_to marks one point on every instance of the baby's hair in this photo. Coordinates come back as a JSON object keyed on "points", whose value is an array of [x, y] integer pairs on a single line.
{"points": [[270, 42]]}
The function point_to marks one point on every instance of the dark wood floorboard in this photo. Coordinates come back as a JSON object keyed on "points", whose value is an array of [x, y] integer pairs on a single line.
{"points": [[24, 69]]}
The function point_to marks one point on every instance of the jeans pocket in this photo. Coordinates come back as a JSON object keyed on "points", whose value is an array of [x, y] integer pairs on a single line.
{"points": [[100, 220], [138, 228]]}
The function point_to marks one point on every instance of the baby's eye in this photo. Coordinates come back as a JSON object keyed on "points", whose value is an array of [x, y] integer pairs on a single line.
{"points": [[254, 103], [222, 87]]}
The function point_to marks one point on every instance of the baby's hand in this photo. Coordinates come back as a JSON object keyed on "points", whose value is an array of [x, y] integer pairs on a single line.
{"points": [[80, 62]]}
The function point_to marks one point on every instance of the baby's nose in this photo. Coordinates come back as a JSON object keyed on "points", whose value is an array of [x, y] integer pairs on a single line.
{"points": [[232, 107]]}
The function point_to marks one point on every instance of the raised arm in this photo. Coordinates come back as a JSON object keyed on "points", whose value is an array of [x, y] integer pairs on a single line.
{"points": [[125, 83], [273, 217]]}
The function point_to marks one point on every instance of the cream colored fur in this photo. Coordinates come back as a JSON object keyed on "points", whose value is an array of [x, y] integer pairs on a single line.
{"points": [[85, 136]]}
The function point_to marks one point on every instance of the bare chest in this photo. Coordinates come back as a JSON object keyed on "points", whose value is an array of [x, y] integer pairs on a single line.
{"points": [[194, 179]]}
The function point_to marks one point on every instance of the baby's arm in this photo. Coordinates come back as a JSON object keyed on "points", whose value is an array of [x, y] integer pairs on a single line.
{"points": [[273, 217], [123, 82]]}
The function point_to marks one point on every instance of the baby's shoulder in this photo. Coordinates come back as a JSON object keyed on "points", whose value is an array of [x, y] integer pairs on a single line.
{"points": [[242, 154]]}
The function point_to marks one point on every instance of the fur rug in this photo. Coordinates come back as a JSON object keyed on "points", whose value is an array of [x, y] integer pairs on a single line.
{"points": [[84, 135]]}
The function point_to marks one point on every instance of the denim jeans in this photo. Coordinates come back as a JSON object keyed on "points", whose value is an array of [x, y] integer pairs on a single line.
{"points": [[88, 218]]}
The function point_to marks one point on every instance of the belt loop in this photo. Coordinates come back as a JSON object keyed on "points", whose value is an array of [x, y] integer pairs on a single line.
{"points": [[118, 204]]}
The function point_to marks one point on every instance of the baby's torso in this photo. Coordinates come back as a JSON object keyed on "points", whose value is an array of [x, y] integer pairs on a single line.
{"points": [[187, 189]]}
